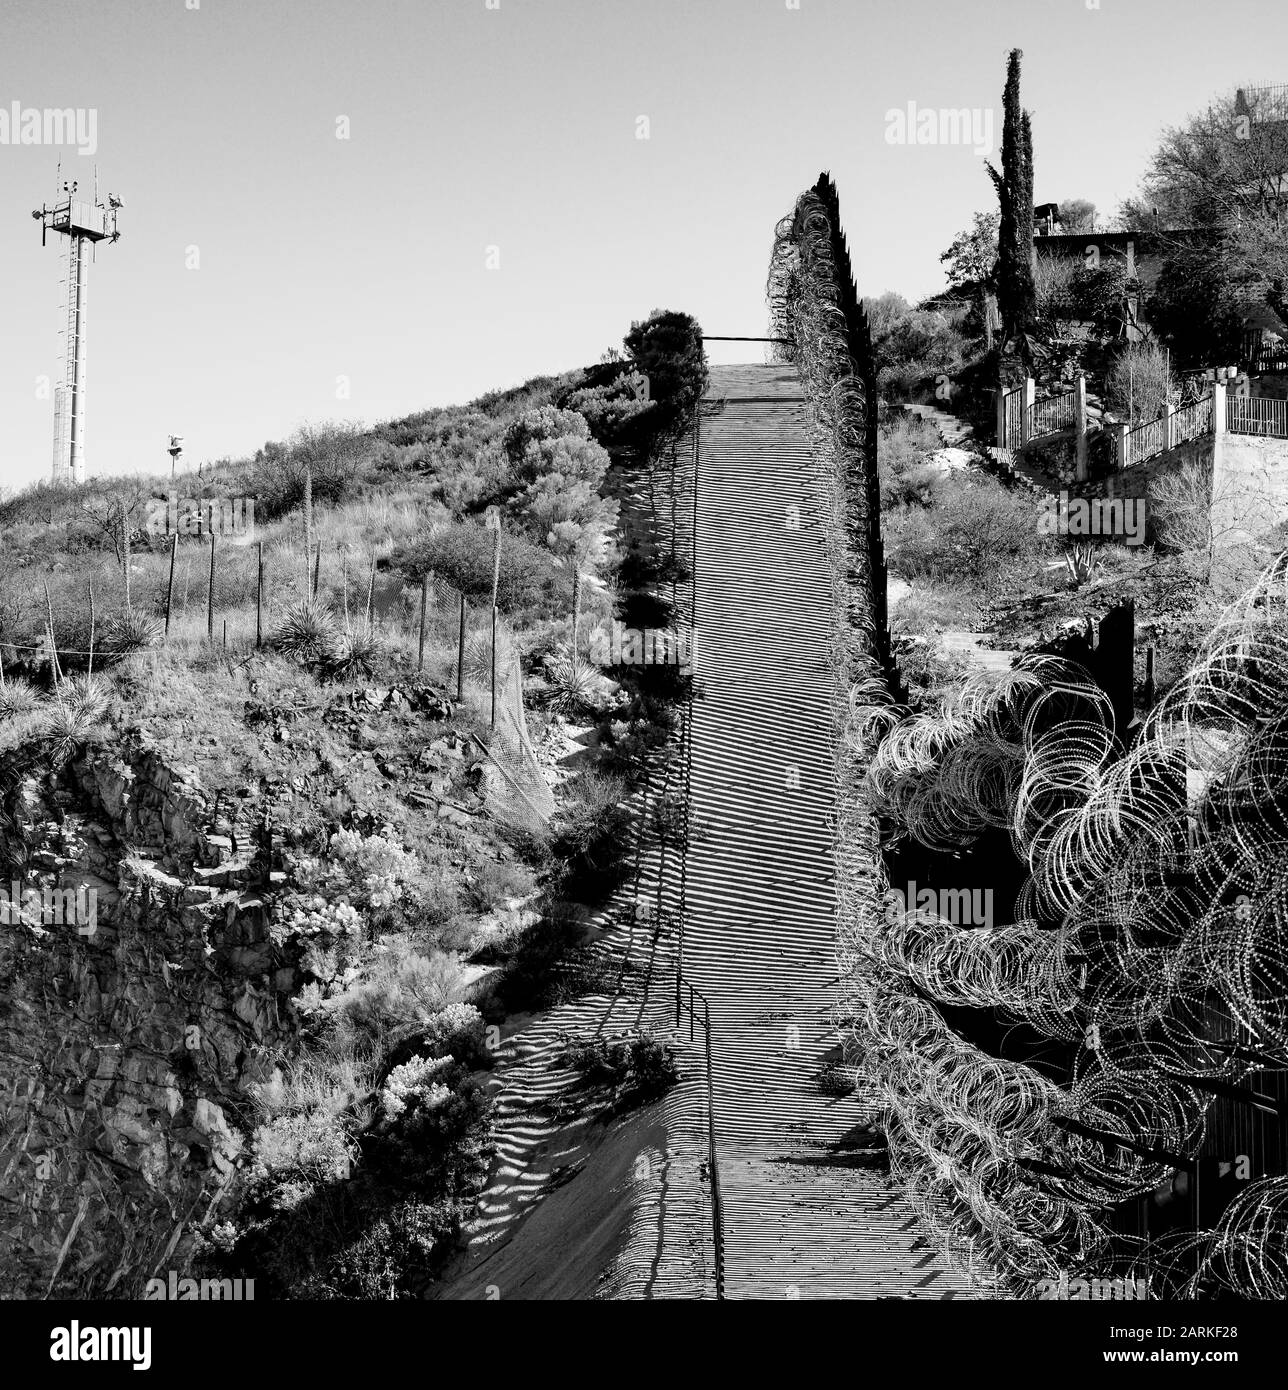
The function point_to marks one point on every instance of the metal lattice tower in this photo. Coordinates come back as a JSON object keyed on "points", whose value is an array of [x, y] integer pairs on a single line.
{"points": [[84, 221]]}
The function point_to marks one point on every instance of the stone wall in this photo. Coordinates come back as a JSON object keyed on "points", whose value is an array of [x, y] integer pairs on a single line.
{"points": [[127, 1046]]}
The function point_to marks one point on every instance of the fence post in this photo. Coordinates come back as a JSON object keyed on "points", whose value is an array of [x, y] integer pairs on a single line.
{"points": [[259, 597], [308, 523], [90, 586], [424, 603], [371, 591], [1169, 425], [1220, 425], [460, 657], [1120, 447], [494, 662], [1030, 397], [210, 594], [169, 593], [1001, 418], [125, 551], [1080, 424]]}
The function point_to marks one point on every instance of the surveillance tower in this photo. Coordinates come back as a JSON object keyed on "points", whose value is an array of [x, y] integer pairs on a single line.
{"points": [[84, 221]]}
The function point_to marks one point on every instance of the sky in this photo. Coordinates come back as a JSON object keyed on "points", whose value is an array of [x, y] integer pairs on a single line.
{"points": [[492, 211]]}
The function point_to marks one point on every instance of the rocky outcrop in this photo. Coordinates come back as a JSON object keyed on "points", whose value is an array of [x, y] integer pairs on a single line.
{"points": [[135, 1013]]}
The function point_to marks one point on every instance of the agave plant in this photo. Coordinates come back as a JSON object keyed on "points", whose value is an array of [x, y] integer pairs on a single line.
{"points": [[573, 683], [355, 654], [308, 632], [88, 695], [18, 697], [128, 632], [478, 654], [69, 725]]}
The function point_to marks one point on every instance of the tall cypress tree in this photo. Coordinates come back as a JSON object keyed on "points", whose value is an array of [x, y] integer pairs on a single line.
{"points": [[1016, 296]]}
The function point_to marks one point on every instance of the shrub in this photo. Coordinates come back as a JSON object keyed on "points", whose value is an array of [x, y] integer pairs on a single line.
{"points": [[340, 457], [462, 555], [126, 633], [18, 698], [431, 1135], [308, 632], [639, 1068], [666, 347]]}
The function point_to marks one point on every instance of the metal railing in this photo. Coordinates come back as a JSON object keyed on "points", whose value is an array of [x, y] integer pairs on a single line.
{"points": [[1257, 415], [1192, 421], [1053, 414], [695, 996], [1144, 442]]}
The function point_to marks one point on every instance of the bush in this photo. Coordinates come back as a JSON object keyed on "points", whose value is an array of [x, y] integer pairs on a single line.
{"points": [[666, 348], [462, 555], [977, 529], [639, 1068]]}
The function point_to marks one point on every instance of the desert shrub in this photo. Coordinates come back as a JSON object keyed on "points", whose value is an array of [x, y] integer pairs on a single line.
{"points": [[611, 401], [462, 555], [591, 835], [396, 998], [18, 698], [903, 445], [666, 347], [308, 632], [638, 1067], [977, 528], [127, 632], [338, 455], [431, 1136], [294, 1153]]}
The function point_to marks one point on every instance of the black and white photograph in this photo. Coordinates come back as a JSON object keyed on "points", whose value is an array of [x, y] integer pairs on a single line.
{"points": [[643, 656]]}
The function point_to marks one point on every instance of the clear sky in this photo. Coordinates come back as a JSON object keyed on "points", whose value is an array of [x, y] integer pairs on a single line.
{"points": [[516, 128]]}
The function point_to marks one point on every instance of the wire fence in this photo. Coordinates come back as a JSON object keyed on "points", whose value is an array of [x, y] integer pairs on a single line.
{"points": [[235, 593]]}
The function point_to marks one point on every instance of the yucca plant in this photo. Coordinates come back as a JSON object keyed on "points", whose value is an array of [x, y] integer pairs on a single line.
{"points": [[18, 697], [573, 683], [127, 632], [88, 695], [69, 725], [355, 654], [478, 655], [308, 632]]}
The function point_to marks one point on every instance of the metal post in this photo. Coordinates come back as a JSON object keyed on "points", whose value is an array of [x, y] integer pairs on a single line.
{"points": [[210, 594], [259, 598], [494, 663], [90, 586], [424, 604], [717, 1213], [460, 657], [170, 588]]}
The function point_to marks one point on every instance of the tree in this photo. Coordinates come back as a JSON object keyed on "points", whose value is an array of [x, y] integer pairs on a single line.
{"points": [[1140, 384], [1195, 307], [666, 348], [1077, 215], [1016, 297], [973, 253], [1226, 170]]}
